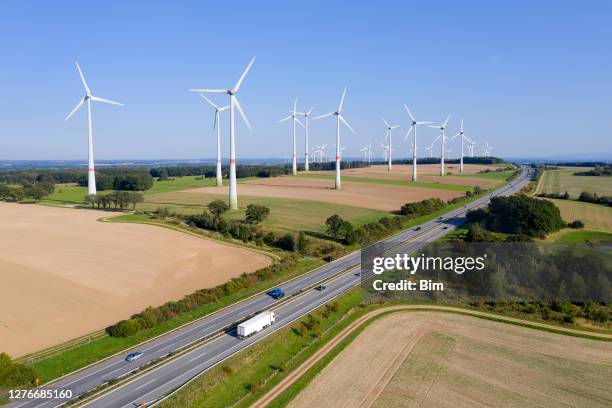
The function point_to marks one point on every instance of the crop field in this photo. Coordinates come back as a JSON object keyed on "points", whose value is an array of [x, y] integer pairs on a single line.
{"points": [[428, 175], [560, 181], [429, 359], [65, 275], [366, 195], [595, 217]]}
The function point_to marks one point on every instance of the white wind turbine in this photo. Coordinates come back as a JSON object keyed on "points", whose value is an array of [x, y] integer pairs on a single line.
{"points": [[385, 151], [339, 118], [487, 149], [295, 120], [430, 150], [389, 138], [306, 136], [322, 157], [365, 150], [91, 172], [233, 190], [442, 138], [463, 137], [471, 145], [413, 127], [217, 127]]}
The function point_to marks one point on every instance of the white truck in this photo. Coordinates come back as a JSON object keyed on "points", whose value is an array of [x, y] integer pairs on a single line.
{"points": [[256, 324]]}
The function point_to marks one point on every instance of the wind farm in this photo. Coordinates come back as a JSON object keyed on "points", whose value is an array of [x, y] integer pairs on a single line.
{"points": [[228, 242]]}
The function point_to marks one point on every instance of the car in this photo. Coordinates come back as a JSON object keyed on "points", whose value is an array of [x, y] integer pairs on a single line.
{"points": [[445, 227], [417, 229], [133, 356], [321, 288], [358, 273]]}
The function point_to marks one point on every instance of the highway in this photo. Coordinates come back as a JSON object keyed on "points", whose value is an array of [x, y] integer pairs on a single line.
{"points": [[156, 383]]}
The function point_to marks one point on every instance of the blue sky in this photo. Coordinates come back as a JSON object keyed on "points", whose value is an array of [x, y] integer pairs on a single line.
{"points": [[532, 78]]}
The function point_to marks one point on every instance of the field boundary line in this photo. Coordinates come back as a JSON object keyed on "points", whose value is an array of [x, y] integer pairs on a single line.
{"points": [[297, 373]]}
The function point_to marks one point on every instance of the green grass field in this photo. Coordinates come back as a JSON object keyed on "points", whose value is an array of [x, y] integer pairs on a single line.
{"points": [[582, 236], [493, 175], [595, 217], [560, 181], [396, 182]]}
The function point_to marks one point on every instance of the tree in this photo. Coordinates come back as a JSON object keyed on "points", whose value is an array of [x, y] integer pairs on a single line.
{"points": [[302, 244], [135, 198], [334, 223], [217, 208], [286, 242], [90, 199], [256, 213]]}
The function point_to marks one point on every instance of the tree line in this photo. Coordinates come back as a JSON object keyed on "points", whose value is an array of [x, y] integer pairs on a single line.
{"points": [[116, 178], [116, 199], [36, 191]]}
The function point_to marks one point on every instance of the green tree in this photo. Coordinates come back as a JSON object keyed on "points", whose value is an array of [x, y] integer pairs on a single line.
{"points": [[302, 244], [256, 213], [217, 208], [334, 223]]}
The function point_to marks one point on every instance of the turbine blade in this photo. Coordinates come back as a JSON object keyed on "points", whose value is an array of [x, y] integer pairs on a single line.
{"points": [[408, 133], [342, 100], [434, 126], [310, 110], [98, 99], [209, 101], [346, 123], [83, 79], [409, 113], [237, 104], [237, 86], [76, 108], [221, 91], [285, 119], [224, 108], [446, 121], [385, 122], [216, 118], [323, 116], [300, 123], [423, 123]]}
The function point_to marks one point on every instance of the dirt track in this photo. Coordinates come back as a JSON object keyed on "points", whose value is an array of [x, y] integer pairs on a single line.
{"points": [[365, 195], [65, 275], [324, 389]]}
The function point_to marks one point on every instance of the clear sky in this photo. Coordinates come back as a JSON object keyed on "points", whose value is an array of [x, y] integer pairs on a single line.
{"points": [[532, 78]]}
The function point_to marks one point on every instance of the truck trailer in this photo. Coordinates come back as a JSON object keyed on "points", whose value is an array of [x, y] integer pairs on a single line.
{"points": [[256, 324]]}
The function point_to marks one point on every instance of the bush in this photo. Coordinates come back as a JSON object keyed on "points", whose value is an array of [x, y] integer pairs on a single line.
{"points": [[576, 224], [423, 207], [287, 242], [124, 328], [14, 374]]}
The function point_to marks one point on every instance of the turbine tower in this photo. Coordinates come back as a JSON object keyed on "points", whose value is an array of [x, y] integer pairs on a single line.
{"points": [[463, 137], [217, 127], [413, 127], [339, 118], [442, 138], [306, 136], [471, 146], [233, 191], [295, 120], [91, 172], [389, 138]]}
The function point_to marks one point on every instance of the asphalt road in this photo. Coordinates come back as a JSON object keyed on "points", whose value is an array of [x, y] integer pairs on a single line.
{"points": [[162, 380]]}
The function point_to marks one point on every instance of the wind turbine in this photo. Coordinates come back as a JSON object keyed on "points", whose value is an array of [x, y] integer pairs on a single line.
{"points": [[322, 152], [233, 190], [388, 137], [339, 118], [463, 137], [413, 127], [365, 150], [295, 120], [91, 172], [306, 135], [471, 147], [370, 153], [385, 151], [217, 126], [430, 150], [342, 149], [442, 138], [487, 149]]}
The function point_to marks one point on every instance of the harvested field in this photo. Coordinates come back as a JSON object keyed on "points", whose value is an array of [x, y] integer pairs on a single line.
{"points": [[447, 360], [65, 275], [365, 195], [428, 173], [560, 181], [595, 217]]}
